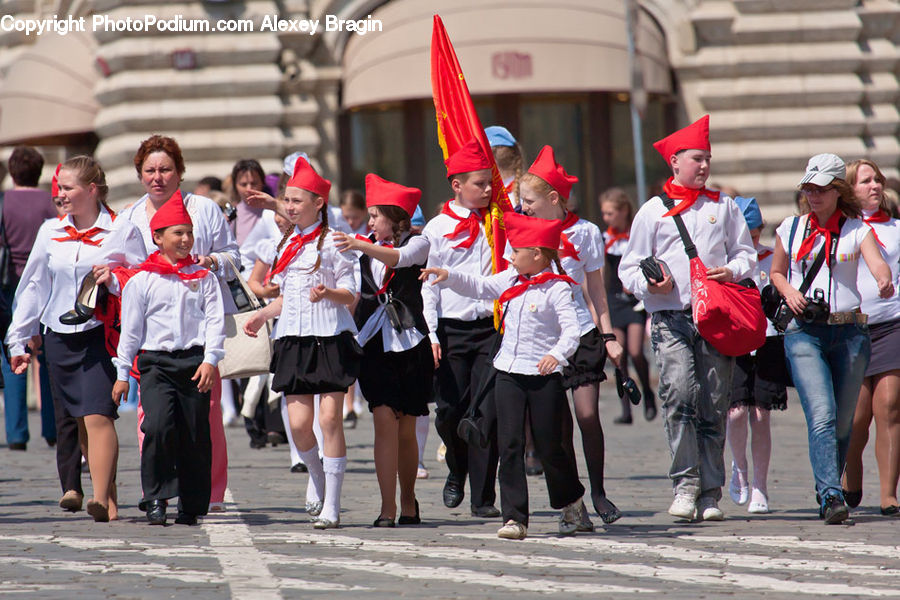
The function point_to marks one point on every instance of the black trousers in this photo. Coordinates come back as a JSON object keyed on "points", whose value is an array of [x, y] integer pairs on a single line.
{"points": [[68, 448], [466, 347], [544, 397], [177, 453]]}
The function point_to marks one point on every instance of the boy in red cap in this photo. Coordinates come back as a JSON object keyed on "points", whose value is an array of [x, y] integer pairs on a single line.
{"points": [[541, 332], [462, 330], [172, 313], [694, 378]]}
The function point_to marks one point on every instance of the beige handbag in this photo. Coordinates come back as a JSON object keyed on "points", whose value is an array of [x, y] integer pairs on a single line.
{"points": [[245, 356]]}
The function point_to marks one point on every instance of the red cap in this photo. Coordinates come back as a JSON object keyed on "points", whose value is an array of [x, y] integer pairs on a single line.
{"points": [[173, 212], [523, 231], [693, 137], [381, 192], [306, 178], [546, 167], [54, 183], [470, 157]]}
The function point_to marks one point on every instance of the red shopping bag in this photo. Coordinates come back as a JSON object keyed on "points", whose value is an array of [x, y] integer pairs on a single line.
{"points": [[728, 315]]}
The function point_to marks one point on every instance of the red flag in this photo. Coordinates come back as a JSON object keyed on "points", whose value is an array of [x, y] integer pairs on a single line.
{"points": [[457, 123]]}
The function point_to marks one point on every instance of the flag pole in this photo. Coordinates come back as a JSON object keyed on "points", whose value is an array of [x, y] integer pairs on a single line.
{"points": [[637, 96]]}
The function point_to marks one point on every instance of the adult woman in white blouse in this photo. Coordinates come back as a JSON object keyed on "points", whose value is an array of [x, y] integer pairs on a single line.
{"points": [[160, 167], [880, 393], [88, 238], [827, 344]]}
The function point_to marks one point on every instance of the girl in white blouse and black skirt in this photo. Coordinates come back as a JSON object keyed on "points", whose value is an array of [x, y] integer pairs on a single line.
{"points": [[541, 333], [398, 366], [315, 351]]}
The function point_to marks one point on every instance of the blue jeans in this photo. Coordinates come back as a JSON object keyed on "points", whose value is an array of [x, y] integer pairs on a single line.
{"points": [[828, 363], [16, 409]]}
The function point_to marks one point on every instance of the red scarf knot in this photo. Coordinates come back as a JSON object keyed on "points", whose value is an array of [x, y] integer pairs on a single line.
{"points": [[567, 248], [764, 254], [471, 224], [879, 217], [613, 235], [293, 249], [155, 263], [83, 236], [526, 282], [832, 227], [688, 196]]}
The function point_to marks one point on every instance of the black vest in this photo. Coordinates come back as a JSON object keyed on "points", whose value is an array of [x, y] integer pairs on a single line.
{"points": [[404, 293]]}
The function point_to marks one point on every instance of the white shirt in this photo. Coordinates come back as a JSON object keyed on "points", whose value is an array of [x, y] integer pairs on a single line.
{"points": [[844, 293], [54, 271], [538, 322], [325, 318], [762, 277], [265, 229], [617, 248], [718, 230], [414, 252], [444, 303], [588, 242], [164, 313], [881, 310], [212, 236]]}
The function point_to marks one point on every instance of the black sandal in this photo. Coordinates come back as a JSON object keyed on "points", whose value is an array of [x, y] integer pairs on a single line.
{"points": [[414, 520]]}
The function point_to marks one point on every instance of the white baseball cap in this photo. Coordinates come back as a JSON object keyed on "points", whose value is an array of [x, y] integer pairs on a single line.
{"points": [[823, 168]]}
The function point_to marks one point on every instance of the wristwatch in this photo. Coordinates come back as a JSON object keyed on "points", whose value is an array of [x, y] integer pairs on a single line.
{"points": [[608, 337]]}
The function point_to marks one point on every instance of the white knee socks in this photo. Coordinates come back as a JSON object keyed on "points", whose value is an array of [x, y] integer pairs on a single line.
{"points": [[334, 477], [315, 490]]}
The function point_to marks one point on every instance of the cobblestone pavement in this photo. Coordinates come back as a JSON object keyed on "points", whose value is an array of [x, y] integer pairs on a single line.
{"points": [[264, 547]]}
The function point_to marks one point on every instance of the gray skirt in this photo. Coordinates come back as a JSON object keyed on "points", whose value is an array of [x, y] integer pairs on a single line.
{"points": [[885, 347]]}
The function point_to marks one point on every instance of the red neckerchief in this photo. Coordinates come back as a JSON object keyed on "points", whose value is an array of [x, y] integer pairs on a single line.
{"points": [[526, 282], [832, 226], [155, 263], [567, 248], [83, 236], [613, 235], [293, 248], [471, 224], [687, 196], [389, 272], [764, 254], [879, 217]]}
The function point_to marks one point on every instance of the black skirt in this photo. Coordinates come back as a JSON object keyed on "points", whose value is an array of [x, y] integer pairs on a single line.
{"points": [[749, 389], [885, 347], [81, 372], [622, 313], [586, 365], [402, 381], [314, 365]]}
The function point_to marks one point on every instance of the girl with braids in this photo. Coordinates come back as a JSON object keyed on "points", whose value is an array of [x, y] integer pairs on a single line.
{"points": [[541, 333], [314, 351], [397, 369], [87, 241], [545, 189], [508, 155]]}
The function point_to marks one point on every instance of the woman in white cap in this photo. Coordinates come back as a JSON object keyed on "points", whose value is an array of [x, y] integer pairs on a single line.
{"points": [[880, 393], [827, 342]]}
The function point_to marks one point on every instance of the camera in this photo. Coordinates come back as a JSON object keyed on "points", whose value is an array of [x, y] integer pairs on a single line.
{"points": [[230, 212], [782, 317], [817, 309], [625, 386]]}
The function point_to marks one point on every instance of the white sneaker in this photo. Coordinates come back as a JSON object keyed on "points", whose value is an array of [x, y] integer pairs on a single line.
{"points": [[683, 506], [422, 473], [572, 518], [709, 510], [739, 493], [512, 530], [759, 504]]}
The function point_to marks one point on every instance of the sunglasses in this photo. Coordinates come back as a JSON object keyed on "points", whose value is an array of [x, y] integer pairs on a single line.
{"points": [[815, 189]]}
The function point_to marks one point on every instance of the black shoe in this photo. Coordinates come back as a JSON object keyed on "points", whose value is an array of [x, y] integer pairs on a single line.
{"points": [[18, 446], [276, 437], [299, 468], [156, 512], [85, 302], [606, 510], [649, 406], [623, 420], [414, 520], [852, 498], [185, 519], [533, 466], [890, 511], [350, 420], [835, 511], [485, 512], [51, 443], [453, 494], [256, 444], [383, 522]]}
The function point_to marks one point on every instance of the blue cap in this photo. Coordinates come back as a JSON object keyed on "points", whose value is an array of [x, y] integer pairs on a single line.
{"points": [[751, 211], [499, 136], [418, 219]]}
